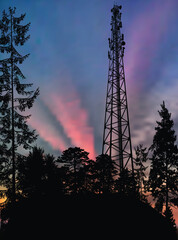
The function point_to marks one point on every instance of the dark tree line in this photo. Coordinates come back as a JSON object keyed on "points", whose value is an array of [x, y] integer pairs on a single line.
{"points": [[41, 175], [71, 173]]}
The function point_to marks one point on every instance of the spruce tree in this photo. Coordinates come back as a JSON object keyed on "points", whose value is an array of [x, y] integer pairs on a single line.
{"points": [[15, 97], [140, 170], [163, 177]]}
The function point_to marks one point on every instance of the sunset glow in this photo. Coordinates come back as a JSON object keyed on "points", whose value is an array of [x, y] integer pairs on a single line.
{"points": [[68, 61]]}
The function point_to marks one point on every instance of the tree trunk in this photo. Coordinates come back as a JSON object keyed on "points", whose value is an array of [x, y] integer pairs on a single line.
{"points": [[12, 119], [167, 196], [75, 177]]}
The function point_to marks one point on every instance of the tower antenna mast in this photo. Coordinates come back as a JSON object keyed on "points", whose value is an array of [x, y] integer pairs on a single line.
{"points": [[116, 137]]}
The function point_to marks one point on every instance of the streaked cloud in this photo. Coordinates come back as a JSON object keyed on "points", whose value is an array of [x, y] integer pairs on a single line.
{"points": [[146, 34], [48, 132], [67, 108], [145, 68]]}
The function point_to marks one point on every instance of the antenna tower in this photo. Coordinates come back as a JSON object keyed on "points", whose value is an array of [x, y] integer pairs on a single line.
{"points": [[116, 137]]}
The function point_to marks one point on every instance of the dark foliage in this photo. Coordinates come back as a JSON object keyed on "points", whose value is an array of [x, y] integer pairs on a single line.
{"points": [[74, 159], [140, 170], [105, 172], [38, 175], [170, 219], [126, 185], [163, 178]]}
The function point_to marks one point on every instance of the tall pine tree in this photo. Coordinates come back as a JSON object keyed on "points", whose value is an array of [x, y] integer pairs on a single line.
{"points": [[163, 178], [15, 97], [74, 159]]}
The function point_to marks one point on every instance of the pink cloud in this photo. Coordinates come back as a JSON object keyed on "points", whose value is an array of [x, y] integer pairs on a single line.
{"points": [[73, 117], [46, 131]]}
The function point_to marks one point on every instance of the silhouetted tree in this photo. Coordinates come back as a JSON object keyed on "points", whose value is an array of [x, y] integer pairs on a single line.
{"points": [[140, 168], [32, 173], [52, 179], [163, 178], [170, 219], [105, 172], [38, 175], [74, 159], [14, 96], [91, 181], [125, 185]]}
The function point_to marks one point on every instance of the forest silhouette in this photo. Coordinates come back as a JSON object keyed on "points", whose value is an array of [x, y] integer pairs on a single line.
{"points": [[72, 195]]}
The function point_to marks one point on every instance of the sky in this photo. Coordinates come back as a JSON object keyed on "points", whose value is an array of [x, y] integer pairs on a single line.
{"points": [[69, 63]]}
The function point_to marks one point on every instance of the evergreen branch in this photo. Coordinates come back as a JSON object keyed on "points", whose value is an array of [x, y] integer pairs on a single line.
{"points": [[17, 72], [4, 26], [21, 41], [26, 102], [18, 115], [17, 20], [6, 49], [5, 61], [20, 59], [20, 88], [4, 88], [5, 19], [12, 11], [7, 139], [26, 138], [4, 40], [5, 78], [21, 29], [4, 68], [14, 51], [22, 92], [5, 99]]}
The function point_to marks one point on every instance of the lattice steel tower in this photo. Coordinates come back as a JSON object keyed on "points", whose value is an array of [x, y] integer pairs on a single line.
{"points": [[116, 137]]}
